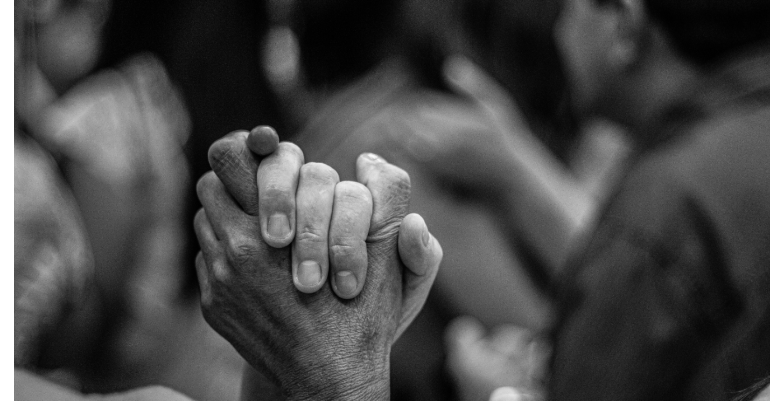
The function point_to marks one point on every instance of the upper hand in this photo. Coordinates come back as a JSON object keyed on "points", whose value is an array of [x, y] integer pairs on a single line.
{"points": [[310, 343]]}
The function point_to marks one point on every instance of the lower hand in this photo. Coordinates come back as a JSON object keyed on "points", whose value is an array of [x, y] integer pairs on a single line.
{"points": [[311, 344]]}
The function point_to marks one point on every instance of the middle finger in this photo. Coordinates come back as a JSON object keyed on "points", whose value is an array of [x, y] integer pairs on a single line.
{"points": [[347, 234], [310, 257]]}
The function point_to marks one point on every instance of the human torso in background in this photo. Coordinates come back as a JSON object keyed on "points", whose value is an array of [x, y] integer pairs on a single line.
{"points": [[671, 298], [53, 266], [117, 139]]}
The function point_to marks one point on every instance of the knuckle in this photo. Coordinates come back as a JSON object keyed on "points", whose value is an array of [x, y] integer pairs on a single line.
{"points": [[274, 190], [241, 250], [206, 299], [226, 151], [206, 184], [340, 250], [318, 172], [354, 190], [220, 273], [311, 234], [288, 147], [395, 177], [218, 150], [199, 219], [399, 175], [345, 246], [397, 191], [277, 194]]}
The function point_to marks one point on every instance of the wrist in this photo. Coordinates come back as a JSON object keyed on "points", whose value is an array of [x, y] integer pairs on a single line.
{"points": [[355, 384], [345, 376]]}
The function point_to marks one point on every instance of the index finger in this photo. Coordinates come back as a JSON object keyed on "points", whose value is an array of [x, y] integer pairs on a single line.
{"points": [[235, 164]]}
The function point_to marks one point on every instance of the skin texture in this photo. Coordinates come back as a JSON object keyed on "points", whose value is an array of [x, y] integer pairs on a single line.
{"points": [[310, 345], [314, 212]]}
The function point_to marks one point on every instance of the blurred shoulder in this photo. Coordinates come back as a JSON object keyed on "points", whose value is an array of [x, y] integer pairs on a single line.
{"points": [[722, 160]]}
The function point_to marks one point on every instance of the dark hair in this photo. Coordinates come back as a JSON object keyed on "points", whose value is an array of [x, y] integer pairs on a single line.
{"points": [[706, 31]]}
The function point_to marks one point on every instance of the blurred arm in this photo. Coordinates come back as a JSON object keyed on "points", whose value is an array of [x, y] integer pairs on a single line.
{"points": [[29, 387], [477, 256], [479, 142]]}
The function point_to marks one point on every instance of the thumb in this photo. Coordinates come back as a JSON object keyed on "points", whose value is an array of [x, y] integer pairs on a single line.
{"points": [[421, 253]]}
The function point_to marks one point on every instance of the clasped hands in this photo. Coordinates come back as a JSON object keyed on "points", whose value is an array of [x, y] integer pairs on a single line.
{"points": [[274, 230]]}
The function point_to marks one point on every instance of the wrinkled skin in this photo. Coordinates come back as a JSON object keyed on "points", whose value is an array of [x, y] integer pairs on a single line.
{"points": [[312, 346]]}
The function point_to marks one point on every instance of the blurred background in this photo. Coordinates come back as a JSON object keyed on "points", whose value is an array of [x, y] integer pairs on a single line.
{"points": [[117, 102]]}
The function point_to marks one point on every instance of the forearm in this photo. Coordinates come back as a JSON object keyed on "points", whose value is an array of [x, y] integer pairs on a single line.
{"points": [[544, 206], [28, 386]]}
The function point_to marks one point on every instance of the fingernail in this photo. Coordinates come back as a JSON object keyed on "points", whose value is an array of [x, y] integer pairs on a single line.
{"points": [[309, 273], [263, 140], [371, 156], [426, 238], [278, 226], [346, 282], [506, 394]]}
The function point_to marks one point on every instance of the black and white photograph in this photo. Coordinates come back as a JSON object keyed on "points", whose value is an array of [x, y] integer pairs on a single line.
{"points": [[405, 200]]}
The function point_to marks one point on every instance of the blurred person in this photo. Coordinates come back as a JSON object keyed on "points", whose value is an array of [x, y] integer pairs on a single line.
{"points": [[553, 200], [675, 279], [669, 296], [118, 136], [683, 94], [53, 267], [99, 185]]}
